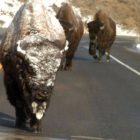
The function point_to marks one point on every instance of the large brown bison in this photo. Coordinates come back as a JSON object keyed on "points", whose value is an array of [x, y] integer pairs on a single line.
{"points": [[102, 33], [31, 53], [74, 29]]}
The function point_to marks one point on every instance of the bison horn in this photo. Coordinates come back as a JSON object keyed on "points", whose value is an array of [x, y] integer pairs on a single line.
{"points": [[19, 48], [102, 27]]}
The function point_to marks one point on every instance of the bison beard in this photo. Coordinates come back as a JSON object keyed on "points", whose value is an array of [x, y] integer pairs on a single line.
{"points": [[31, 53]]}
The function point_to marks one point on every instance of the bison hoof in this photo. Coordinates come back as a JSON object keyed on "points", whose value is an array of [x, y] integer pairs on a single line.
{"points": [[107, 60], [61, 68], [95, 57], [36, 130], [22, 126], [68, 68], [100, 60]]}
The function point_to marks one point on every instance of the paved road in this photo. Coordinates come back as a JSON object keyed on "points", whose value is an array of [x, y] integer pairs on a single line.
{"points": [[95, 101]]}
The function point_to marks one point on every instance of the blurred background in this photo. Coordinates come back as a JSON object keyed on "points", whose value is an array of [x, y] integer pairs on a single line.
{"points": [[124, 12]]}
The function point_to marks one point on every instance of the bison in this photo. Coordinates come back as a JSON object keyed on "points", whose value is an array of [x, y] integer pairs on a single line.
{"points": [[73, 27], [102, 33], [31, 53]]}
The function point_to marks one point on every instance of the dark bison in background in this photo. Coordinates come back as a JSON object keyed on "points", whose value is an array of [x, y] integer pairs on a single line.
{"points": [[102, 33], [31, 53], [74, 29]]}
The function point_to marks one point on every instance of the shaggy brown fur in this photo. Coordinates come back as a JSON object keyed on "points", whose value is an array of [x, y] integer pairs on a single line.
{"points": [[102, 33], [74, 28], [31, 53]]}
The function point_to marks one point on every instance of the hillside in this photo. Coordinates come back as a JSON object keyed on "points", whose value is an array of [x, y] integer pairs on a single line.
{"points": [[124, 12]]}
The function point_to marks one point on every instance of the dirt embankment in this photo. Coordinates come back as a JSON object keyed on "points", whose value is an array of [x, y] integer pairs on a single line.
{"points": [[125, 12]]}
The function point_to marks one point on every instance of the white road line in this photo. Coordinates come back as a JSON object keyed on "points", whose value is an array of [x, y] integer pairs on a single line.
{"points": [[89, 138], [125, 65]]}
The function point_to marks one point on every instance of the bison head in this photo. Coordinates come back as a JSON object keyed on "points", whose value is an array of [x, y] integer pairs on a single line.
{"points": [[94, 28], [39, 61]]}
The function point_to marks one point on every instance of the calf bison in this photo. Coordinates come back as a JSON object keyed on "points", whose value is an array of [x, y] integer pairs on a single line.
{"points": [[73, 27], [102, 33], [31, 53]]}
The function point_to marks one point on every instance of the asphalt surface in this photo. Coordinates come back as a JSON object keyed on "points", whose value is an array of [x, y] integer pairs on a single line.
{"points": [[94, 101]]}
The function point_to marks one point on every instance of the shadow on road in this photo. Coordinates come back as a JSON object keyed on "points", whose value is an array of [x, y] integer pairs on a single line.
{"points": [[82, 58], [6, 120]]}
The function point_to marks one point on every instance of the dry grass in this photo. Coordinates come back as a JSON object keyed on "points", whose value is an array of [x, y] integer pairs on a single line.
{"points": [[125, 12]]}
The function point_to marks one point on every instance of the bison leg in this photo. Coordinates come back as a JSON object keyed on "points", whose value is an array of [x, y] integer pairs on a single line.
{"points": [[15, 99], [69, 57], [35, 124], [70, 54], [61, 68], [11, 90], [100, 55], [92, 49], [108, 54], [21, 118], [68, 64]]}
